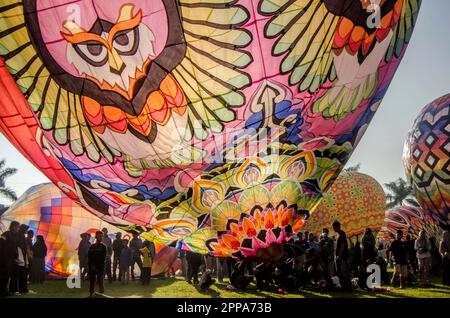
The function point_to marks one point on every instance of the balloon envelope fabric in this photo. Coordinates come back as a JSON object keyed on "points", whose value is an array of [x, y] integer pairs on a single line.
{"points": [[356, 200], [411, 220], [60, 220], [169, 117], [427, 159]]}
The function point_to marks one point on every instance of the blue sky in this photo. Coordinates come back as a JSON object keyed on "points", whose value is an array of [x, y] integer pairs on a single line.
{"points": [[423, 75]]}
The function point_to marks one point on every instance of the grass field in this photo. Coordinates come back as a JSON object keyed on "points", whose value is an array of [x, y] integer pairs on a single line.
{"points": [[178, 288]]}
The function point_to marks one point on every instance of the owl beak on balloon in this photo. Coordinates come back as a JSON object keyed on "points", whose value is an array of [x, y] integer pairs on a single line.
{"points": [[116, 64]]}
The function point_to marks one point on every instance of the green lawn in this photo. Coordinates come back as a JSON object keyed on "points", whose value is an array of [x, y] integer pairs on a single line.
{"points": [[178, 288]]}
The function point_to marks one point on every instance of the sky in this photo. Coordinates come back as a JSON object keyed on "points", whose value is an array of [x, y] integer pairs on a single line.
{"points": [[423, 75]]}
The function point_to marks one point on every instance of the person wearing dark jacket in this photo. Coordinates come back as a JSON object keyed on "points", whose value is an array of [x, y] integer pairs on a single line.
{"points": [[8, 253], [96, 264], [18, 283], [341, 258], [39, 250], [135, 246], [117, 247], [83, 250], [194, 261], [238, 278]]}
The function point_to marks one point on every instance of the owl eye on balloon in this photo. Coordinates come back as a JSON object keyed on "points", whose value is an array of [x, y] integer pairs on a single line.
{"points": [[126, 106]]}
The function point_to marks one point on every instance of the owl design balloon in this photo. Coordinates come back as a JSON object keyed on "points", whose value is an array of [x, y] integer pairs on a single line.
{"points": [[427, 157], [192, 120]]}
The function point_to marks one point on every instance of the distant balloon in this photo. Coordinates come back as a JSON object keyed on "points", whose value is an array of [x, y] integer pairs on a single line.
{"points": [[60, 220], [181, 118], [427, 159], [411, 220], [356, 200]]}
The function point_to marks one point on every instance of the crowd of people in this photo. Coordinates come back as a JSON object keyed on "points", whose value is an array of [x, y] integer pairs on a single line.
{"points": [[307, 261], [114, 259], [328, 262], [22, 259]]}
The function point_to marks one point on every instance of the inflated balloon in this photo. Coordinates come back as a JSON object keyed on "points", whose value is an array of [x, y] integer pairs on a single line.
{"points": [[60, 220], [168, 117], [411, 220], [356, 200], [427, 159]]}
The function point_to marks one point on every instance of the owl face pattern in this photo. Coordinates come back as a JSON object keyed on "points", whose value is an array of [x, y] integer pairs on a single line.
{"points": [[112, 55], [117, 56]]}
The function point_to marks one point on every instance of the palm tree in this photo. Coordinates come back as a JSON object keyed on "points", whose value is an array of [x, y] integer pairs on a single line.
{"points": [[401, 193], [6, 192], [354, 168]]}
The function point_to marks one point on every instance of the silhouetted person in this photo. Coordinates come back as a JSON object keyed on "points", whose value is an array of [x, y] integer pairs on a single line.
{"points": [[341, 258], [444, 250], [19, 282], [206, 280], [83, 250], [423, 247], [126, 258], [29, 240], [436, 259], [238, 278], [409, 242], [263, 275], [8, 254], [117, 249], [399, 254], [39, 253], [135, 246], [326, 245], [194, 261], [96, 263], [109, 251]]}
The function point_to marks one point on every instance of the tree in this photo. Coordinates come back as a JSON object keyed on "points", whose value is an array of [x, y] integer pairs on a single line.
{"points": [[400, 193], [354, 168], [6, 192]]}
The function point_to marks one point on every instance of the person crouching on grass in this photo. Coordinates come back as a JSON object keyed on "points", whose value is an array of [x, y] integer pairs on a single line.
{"points": [[148, 253], [96, 264]]}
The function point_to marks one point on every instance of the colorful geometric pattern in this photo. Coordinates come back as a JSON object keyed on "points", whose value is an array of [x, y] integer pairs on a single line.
{"points": [[60, 220], [132, 105], [411, 220], [356, 200], [427, 158]]}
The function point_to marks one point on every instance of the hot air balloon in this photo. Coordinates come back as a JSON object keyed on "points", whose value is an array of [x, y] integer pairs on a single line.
{"points": [[60, 220], [356, 200], [427, 158], [411, 220], [201, 122]]}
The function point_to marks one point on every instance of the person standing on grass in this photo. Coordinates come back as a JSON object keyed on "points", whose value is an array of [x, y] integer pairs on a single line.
{"points": [[411, 253], [39, 253], [194, 261], [399, 254], [148, 254], [83, 250], [444, 250], [341, 258], [96, 264], [423, 247], [109, 251], [8, 255], [29, 240], [135, 246], [117, 249], [125, 260], [19, 278]]}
